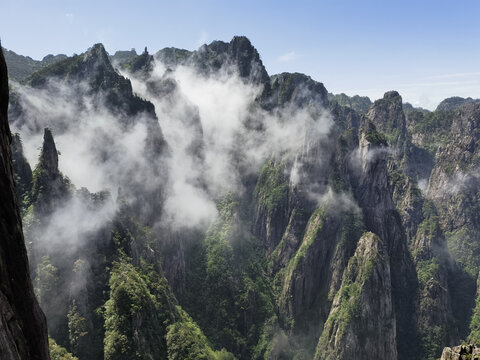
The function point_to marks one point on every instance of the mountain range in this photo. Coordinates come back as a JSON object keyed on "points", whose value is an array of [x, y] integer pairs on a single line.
{"points": [[188, 205]]}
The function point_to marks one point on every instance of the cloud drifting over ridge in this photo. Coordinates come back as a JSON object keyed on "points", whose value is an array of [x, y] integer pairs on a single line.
{"points": [[214, 112], [206, 122]]}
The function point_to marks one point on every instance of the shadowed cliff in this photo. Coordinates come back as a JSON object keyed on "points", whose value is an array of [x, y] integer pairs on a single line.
{"points": [[23, 330]]}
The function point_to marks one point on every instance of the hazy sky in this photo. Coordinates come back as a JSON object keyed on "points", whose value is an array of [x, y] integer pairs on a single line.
{"points": [[427, 50]]}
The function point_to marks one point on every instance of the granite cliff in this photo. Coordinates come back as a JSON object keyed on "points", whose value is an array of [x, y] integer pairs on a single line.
{"points": [[23, 328]]}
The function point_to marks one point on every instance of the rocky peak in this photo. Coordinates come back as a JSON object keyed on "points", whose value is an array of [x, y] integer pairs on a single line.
{"points": [[248, 59], [97, 51], [239, 52], [92, 66], [388, 117], [97, 57], [49, 156], [296, 89], [392, 95], [49, 188]]}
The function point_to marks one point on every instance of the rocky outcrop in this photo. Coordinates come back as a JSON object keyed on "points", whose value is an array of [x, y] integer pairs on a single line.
{"points": [[312, 276], [454, 185], [238, 57], [387, 116], [239, 53], [361, 324], [382, 218], [294, 89], [49, 189], [461, 352], [23, 331]]}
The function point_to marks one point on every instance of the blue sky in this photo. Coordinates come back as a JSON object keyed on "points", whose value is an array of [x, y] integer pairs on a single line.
{"points": [[427, 50]]}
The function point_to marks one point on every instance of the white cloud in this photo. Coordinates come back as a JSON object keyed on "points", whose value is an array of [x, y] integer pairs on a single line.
{"points": [[202, 39], [70, 17], [287, 57]]}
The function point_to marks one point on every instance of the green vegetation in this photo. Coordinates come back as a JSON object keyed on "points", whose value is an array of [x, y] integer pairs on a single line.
{"points": [[226, 292], [376, 138], [46, 280], [77, 329], [360, 104], [272, 186], [59, 353], [315, 224], [474, 336], [229, 290], [134, 301], [433, 126], [432, 339], [426, 270], [357, 273], [20, 67], [464, 249], [185, 341]]}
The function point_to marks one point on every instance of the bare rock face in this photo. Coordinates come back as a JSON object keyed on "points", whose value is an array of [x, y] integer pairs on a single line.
{"points": [[362, 306], [388, 116], [23, 330], [49, 188], [383, 219], [461, 352]]}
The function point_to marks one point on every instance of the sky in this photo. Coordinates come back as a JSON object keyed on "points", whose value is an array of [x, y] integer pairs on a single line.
{"points": [[427, 50]]}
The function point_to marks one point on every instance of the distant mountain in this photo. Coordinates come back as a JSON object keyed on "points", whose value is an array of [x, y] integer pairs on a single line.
{"points": [[360, 104], [453, 103], [121, 57], [20, 67], [408, 108]]}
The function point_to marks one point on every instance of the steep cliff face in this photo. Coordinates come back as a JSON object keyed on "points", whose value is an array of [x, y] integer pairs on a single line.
{"points": [[454, 186], [361, 323], [23, 331], [22, 171], [453, 189], [388, 117], [382, 218]]}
